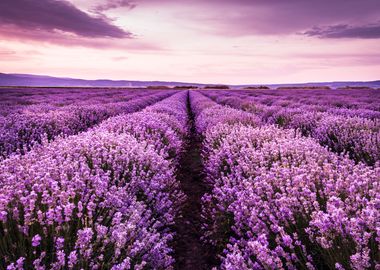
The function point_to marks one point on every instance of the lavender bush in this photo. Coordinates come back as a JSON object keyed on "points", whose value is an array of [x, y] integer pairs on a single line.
{"points": [[282, 201], [348, 125], [20, 131], [102, 199], [91, 180]]}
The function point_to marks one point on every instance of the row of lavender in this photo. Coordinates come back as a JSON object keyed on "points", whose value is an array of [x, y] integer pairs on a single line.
{"points": [[282, 201], [20, 131], [26, 100], [350, 130], [362, 103], [103, 199], [358, 101]]}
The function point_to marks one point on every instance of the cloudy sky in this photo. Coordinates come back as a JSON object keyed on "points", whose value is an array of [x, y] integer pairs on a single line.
{"points": [[211, 41]]}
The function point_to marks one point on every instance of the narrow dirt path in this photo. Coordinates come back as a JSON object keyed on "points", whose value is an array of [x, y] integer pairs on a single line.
{"points": [[190, 253]]}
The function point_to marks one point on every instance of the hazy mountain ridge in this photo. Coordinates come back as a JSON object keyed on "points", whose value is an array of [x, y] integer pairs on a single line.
{"points": [[40, 80]]}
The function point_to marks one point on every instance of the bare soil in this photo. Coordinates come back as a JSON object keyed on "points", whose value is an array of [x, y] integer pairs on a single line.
{"points": [[190, 252]]}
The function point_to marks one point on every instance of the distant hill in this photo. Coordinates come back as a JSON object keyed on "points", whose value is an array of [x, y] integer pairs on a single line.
{"points": [[39, 80]]}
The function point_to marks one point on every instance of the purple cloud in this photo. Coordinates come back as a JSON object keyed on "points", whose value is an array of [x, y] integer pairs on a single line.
{"points": [[269, 17], [112, 4], [68, 40], [56, 16], [346, 31]]}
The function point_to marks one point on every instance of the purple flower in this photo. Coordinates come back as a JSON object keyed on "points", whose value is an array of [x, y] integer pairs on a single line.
{"points": [[72, 259], [36, 240], [20, 263], [84, 237]]}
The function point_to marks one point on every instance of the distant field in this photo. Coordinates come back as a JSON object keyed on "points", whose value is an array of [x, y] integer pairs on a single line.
{"points": [[163, 178]]}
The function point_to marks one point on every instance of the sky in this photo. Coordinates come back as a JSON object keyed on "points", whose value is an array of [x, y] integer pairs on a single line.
{"points": [[207, 41]]}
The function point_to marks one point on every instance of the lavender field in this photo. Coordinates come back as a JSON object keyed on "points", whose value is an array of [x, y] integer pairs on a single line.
{"points": [[122, 178]]}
